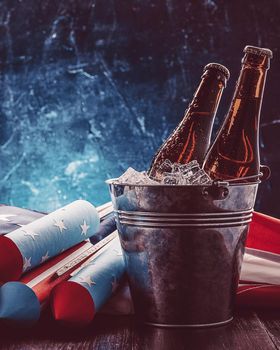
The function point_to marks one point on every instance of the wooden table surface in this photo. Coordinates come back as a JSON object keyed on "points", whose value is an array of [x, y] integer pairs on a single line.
{"points": [[251, 330]]}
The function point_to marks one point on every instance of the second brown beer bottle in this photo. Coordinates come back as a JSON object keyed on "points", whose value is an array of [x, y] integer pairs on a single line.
{"points": [[191, 138], [235, 151]]}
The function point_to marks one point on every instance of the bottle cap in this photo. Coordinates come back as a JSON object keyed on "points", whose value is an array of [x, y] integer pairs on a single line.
{"points": [[260, 51], [218, 67]]}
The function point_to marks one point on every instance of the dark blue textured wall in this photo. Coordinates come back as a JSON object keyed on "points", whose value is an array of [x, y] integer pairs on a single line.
{"points": [[89, 88]]}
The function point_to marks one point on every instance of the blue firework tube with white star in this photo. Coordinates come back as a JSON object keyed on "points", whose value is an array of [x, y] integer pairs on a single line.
{"points": [[77, 300], [19, 304], [34, 243]]}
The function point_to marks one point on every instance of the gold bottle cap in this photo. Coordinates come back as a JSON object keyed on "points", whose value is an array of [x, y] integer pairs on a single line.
{"points": [[218, 67], [260, 51]]}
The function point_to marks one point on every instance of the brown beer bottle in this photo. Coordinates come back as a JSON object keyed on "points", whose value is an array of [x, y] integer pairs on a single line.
{"points": [[235, 151], [191, 138]]}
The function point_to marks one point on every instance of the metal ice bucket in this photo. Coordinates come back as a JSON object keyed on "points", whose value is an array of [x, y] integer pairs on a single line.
{"points": [[183, 248]]}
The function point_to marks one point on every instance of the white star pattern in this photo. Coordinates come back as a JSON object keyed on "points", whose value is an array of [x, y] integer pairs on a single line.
{"points": [[45, 257], [87, 280], [84, 228], [30, 234], [4, 217], [26, 263], [60, 225], [114, 284]]}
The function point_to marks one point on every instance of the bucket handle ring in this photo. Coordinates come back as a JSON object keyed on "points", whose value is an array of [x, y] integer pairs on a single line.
{"points": [[263, 175], [219, 189]]}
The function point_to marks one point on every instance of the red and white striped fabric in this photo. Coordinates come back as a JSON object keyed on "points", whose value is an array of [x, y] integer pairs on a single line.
{"points": [[260, 275]]}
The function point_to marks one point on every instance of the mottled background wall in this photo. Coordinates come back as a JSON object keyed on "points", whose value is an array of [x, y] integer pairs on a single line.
{"points": [[89, 88]]}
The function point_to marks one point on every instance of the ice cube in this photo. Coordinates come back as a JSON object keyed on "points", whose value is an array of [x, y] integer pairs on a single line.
{"points": [[170, 180], [134, 177], [186, 174], [176, 168], [199, 177], [177, 174], [205, 180], [166, 166], [189, 168]]}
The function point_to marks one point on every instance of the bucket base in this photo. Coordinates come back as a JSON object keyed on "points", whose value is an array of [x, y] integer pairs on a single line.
{"points": [[206, 325]]}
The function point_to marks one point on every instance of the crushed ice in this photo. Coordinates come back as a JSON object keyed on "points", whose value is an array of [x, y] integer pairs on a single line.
{"points": [[131, 176], [172, 174]]}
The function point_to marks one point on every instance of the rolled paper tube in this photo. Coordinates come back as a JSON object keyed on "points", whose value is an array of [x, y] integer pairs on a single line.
{"points": [[34, 243], [77, 300], [22, 302], [26, 312]]}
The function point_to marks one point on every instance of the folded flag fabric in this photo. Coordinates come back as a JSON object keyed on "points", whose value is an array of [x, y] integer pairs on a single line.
{"points": [[260, 283], [77, 300], [23, 301], [11, 218], [260, 274], [34, 243], [264, 234]]}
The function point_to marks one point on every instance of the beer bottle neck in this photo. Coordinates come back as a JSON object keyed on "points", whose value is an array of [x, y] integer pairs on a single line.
{"points": [[250, 83], [207, 96], [249, 91]]}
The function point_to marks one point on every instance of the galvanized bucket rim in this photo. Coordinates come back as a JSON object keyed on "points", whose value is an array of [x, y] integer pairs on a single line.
{"points": [[218, 184]]}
